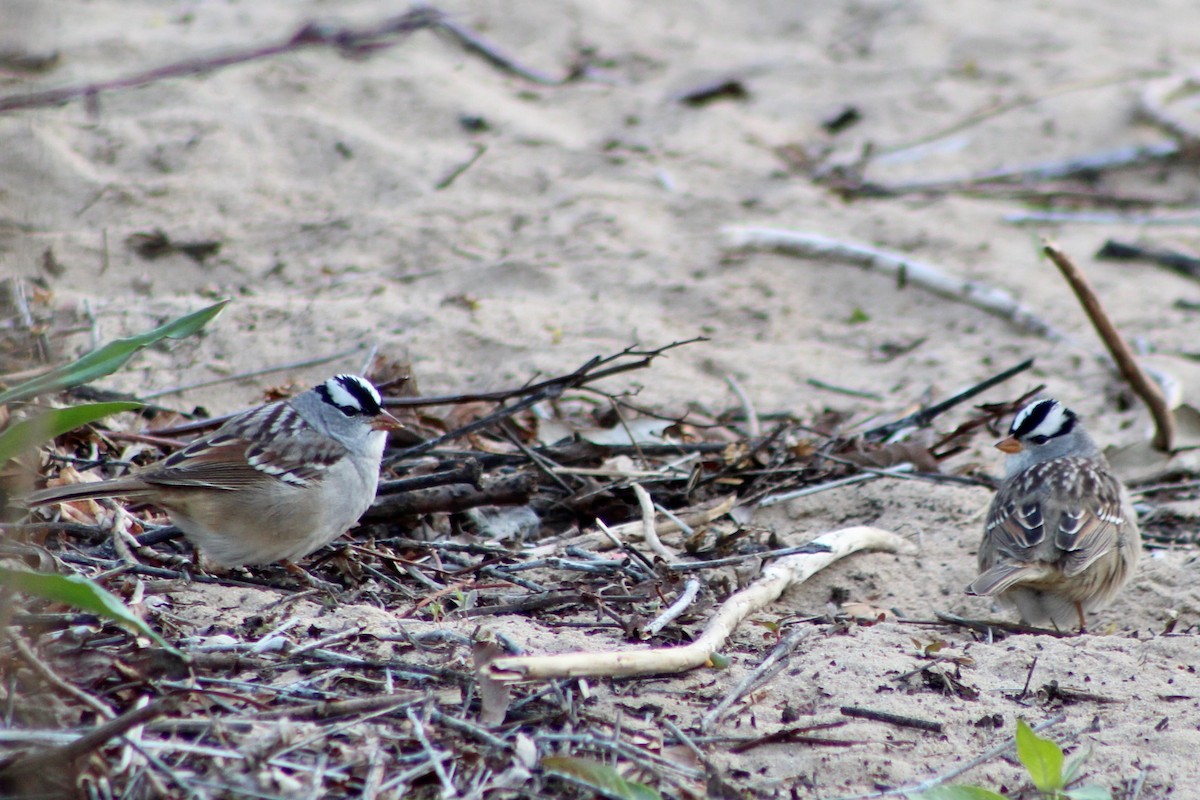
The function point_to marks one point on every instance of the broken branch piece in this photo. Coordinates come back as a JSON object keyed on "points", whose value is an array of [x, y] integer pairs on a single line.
{"points": [[928, 277], [777, 577]]}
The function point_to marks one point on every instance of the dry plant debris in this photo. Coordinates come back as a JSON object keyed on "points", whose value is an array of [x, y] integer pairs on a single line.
{"points": [[489, 514]]}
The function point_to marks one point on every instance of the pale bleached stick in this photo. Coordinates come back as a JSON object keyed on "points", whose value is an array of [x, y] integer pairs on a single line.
{"points": [[648, 531], [777, 577], [631, 530], [1157, 98], [690, 590], [904, 269]]}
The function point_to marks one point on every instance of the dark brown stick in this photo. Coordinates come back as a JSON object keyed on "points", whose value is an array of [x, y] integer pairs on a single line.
{"points": [[926, 415], [892, 719], [546, 390], [350, 41], [1143, 387], [58, 758], [507, 491], [1182, 263], [469, 473]]}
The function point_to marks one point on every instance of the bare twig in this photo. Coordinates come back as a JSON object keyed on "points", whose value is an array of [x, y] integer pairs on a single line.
{"points": [[923, 417], [1143, 387], [905, 270], [1009, 180], [350, 41], [753, 426], [892, 719], [51, 677], [649, 532], [1159, 95], [776, 578], [783, 497], [546, 390], [1183, 263], [453, 174], [690, 588], [775, 661], [505, 490], [997, 107], [1100, 218], [474, 43], [448, 788], [94, 739]]}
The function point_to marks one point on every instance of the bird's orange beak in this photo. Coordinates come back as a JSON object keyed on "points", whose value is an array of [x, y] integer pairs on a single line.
{"points": [[386, 422], [1009, 445]]}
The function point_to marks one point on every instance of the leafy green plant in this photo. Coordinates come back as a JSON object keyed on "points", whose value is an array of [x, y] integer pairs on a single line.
{"points": [[73, 590], [80, 593], [600, 778], [111, 357], [31, 432], [1050, 772]]}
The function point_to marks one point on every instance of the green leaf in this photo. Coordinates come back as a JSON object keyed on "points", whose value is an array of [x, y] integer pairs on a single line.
{"points": [[110, 357], [718, 661], [1091, 792], [1042, 758], [598, 777], [958, 793], [31, 432], [858, 316], [79, 593]]}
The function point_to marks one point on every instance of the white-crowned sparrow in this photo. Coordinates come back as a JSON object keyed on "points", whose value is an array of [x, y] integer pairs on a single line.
{"points": [[1061, 536], [273, 483]]}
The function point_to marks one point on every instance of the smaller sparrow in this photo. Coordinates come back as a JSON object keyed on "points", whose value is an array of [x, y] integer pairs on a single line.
{"points": [[1061, 537], [273, 483]]}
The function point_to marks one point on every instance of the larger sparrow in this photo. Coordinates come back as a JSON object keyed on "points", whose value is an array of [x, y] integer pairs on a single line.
{"points": [[1061, 536], [273, 483]]}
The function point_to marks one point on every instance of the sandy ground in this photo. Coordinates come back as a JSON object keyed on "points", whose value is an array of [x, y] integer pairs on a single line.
{"points": [[590, 222]]}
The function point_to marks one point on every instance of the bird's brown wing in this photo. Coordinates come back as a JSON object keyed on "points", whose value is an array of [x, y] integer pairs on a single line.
{"points": [[272, 440], [1070, 504], [1089, 520]]}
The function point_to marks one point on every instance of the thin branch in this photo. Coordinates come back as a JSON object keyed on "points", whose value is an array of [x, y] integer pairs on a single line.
{"points": [[775, 661], [649, 532], [904, 269], [1183, 263], [453, 174], [1159, 95], [349, 41], [923, 417], [753, 426], [94, 739], [448, 788], [892, 719], [997, 107], [890, 472], [546, 390], [690, 589], [1143, 387], [52, 678]]}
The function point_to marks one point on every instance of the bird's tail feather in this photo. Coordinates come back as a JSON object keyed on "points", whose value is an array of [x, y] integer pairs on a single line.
{"points": [[83, 491], [1004, 576]]}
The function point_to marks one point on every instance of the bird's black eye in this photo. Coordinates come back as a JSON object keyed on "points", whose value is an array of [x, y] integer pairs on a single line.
{"points": [[1039, 439]]}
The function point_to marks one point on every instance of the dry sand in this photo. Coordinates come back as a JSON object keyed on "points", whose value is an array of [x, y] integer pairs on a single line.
{"points": [[591, 222]]}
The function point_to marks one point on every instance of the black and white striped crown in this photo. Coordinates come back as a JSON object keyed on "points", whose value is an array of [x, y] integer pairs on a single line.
{"points": [[351, 395]]}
